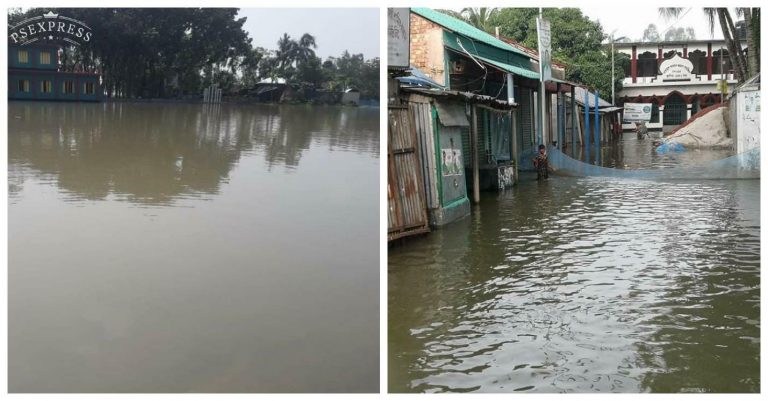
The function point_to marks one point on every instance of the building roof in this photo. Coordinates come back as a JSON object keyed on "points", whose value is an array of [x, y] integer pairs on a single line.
{"points": [[510, 68], [465, 29], [590, 99]]}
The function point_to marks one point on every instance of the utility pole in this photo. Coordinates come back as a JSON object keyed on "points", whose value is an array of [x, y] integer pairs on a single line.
{"points": [[613, 77], [542, 88]]}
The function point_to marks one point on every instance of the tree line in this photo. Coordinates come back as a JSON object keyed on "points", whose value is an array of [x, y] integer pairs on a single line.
{"points": [[176, 52]]}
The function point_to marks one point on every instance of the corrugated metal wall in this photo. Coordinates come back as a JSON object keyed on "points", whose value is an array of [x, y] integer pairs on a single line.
{"points": [[526, 121], [421, 111], [406, 206]]}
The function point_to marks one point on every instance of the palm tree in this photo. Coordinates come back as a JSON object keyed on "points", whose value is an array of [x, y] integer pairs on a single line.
{"points": [[752, 26], [743, 70], [304, 48], [480, 17], [285, 54]]}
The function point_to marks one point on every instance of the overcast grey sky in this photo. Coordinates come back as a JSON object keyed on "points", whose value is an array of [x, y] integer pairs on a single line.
{"points": [[615, 17], [334, 29]]}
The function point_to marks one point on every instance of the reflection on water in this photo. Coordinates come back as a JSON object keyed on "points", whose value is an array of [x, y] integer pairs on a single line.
{"points": [[584, 285], [150, 153], [175, 248]]}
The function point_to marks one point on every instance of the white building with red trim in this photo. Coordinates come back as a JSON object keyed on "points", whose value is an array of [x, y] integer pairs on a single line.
{"points": [[678, 78]]}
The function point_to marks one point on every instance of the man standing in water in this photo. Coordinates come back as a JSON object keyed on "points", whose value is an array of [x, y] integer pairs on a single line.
{"points": [[541, 164], [642, 130]]}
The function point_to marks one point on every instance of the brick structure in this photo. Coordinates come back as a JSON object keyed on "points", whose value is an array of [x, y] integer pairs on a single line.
{"points": [[423, 55]]}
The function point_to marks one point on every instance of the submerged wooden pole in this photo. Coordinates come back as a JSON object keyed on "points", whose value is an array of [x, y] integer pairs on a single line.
{"points": [[597, 127], [515, 158], [573, 117], [586, 122], [475, 158]]}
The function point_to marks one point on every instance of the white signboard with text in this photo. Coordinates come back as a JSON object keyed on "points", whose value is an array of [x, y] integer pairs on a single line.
{"points": [[676, 69], [545, 49], [637, 112], [398, 37]]}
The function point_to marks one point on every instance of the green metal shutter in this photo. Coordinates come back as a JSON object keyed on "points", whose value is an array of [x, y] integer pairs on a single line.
{"points": [[526, 121]]}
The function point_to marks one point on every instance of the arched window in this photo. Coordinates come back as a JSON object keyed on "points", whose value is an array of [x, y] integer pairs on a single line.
{"points": [[668, 55], [675, 111], [721, 62], [647, 66], [699, 60], [654, 111]]}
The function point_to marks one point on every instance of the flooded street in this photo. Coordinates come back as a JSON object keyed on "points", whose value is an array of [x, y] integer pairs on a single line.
{"points": [[584, 285], [191, 248]]}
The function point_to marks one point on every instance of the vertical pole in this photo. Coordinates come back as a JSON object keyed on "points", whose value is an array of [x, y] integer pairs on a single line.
{"points": [[543, 90], [515, 158], [597, 127], [573, 118], [475, 160], [510, 86], [586, 123], [613, 80], [560, 118]]}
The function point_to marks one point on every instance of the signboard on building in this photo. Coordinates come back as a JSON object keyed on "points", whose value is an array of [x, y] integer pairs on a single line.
{"points": [[545, 49], [637, 112], [398, 37], [676, 69]]}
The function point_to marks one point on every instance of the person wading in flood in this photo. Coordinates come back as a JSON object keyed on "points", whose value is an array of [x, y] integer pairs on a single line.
{"points": [[641, 129], [541, 163]]}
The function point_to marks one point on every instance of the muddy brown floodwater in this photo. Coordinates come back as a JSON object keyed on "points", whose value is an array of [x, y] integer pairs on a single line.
{"points": [[585, 285], [184, 248]]}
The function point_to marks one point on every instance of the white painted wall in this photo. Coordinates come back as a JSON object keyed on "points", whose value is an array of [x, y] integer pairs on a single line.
{"points": [[747, 124]]}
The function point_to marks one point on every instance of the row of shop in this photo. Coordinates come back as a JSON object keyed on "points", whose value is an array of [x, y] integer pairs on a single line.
{"points": [[465, 118]]}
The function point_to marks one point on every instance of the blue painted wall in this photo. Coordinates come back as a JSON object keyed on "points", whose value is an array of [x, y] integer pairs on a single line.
{"points": [[35, 72], [34, 59]]}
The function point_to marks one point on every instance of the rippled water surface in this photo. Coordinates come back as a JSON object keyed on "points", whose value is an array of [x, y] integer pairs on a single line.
{"points": [[583, 285], [176, 248], [627, 152]]}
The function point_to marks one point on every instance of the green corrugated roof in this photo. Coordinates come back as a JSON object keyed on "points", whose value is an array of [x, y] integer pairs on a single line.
{"points": [[465, 29], [510, 68]]}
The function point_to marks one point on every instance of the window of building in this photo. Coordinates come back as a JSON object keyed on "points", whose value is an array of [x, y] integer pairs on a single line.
{"points": [[699, 60], [24, 85], [23, 57], [45, 86], [647, 65], [68, 87], [654, 111], [89, 88], [45, 57], [721, 63]]}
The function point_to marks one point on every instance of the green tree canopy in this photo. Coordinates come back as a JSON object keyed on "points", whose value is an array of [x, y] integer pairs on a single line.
{"points": [[577, 42]]}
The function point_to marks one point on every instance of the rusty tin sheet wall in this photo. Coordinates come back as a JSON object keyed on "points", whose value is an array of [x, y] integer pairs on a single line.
{"points": [[406, 206]]}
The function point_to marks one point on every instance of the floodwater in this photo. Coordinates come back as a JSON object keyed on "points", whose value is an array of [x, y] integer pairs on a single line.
{"points": [[584, 285], [191, 248], [630, 153]]}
